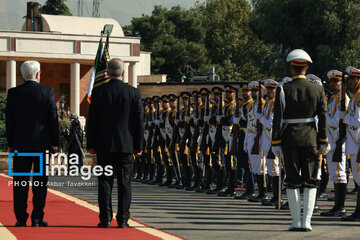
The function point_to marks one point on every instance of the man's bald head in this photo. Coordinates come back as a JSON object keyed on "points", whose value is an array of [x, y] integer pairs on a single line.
{"points": [[116, 68]]}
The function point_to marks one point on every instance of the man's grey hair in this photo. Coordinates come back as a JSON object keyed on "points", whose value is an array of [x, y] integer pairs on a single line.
{"points": [[115, 67], [29, 69]]}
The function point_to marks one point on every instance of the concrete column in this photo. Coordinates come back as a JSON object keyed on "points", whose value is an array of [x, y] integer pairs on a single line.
{"points": [[75, 88], [10, 73], [126, 73], [133, 75]]}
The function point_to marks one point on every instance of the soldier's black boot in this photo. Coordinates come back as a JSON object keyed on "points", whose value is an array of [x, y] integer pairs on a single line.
{"points": [[355, 217], [207, 182], [159, 174], [169, 176], [338, 210], [262, 190], [275, 188], [219, 182], [250, 189], [151, 174], [187, 180], [230, 191]]}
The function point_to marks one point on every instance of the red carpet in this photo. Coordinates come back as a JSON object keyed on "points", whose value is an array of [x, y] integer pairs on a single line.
{"points": [[67, 220]]}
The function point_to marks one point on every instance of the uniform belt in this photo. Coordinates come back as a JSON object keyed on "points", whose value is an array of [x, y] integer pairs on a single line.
{"points": [[299, 120]]}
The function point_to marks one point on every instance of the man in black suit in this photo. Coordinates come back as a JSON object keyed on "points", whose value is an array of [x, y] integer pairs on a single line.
{"points": [[31, 126], [115, 134]]}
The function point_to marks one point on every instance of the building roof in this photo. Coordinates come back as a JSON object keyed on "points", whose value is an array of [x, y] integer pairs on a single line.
{"points": [[78, 25]]}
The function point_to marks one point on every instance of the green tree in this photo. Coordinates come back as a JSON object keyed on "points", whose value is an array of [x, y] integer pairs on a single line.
{"points": [[56, 7], [176, 39], [327, 29], [231, 43]]}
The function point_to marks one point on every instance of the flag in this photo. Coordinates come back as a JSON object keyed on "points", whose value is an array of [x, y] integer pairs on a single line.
{"points": [[99, 74]]}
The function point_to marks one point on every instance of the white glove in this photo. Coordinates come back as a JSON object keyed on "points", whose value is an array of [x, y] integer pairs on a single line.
{"points": [[196, 119], [277, 150], [187, 118], [245, 148], [341, 114], [219, 117], [258, 115], [150, 122], [157, 122], [324, 148], [176, 121], [207, 118], [236, 120]]}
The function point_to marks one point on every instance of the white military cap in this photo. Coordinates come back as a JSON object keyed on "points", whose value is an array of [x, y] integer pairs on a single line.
{"points": [[353, 71], [255, 85], [286, 79], [334, 74], [314, 79], [270, 83], [298, 57]]}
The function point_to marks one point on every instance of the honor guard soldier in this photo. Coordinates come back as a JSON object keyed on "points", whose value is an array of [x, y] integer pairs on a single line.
{"points": [[139, 162], [185, 134], [163, 142], [202, 143], [242, 156], [213, 140], [272, 162], [297, 139], [352, 120], [157, 141], [172, 167], [226, 123], [254, 131], [336, 165], [195, 123], [149, 171]]}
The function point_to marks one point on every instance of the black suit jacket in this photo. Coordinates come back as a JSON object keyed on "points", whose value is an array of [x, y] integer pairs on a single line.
{"points": [[115, 120], [31, 118]]}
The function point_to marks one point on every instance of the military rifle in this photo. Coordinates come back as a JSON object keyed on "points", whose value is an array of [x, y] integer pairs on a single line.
{"points": [[235, 130], [187, 128], [218, 134], [256, 147], [342, 127], [196, 134], [203, 145]]}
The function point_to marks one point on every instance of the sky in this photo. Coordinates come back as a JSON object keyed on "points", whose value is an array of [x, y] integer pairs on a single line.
{"points": [[13, 11]]}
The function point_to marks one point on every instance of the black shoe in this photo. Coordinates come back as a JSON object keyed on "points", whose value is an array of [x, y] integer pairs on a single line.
{"points": [[322, 195], [214, 191], [227, 193], [331, 199], [151, 182], [355, 217], [123, 225], [165, 184], [316, 208], [180, 186], [334, 212], [137, 180], [20, 224], [103, 225], [259, 198], [174, 185], [285, 206], [270, 202], [189, 188], [203, 189], [39, 224], [245, 196]]}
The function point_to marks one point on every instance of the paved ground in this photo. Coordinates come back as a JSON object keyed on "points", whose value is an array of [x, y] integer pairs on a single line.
{"points": [[200, 216]]}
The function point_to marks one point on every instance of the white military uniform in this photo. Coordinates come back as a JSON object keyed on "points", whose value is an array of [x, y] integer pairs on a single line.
{"points": [[266, 120], [336, 170], [352, 121], [257, 162]]}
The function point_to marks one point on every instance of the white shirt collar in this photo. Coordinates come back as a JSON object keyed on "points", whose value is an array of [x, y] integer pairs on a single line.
{"points": [[31, 80]]}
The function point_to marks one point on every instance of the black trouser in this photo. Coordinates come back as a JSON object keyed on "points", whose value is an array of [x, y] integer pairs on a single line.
{"points": [[123, 166], [302, 159], [167, 162], [21, 189], [186, 169], [195, 161]]}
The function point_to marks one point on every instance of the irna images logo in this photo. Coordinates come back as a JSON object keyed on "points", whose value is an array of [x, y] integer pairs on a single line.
{"points": [[59, 164]]}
